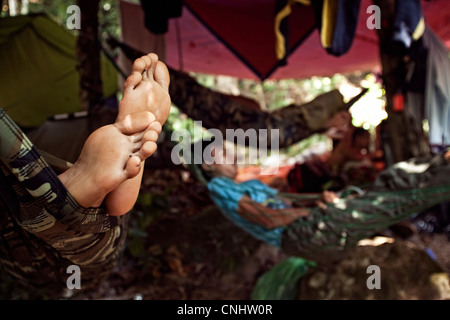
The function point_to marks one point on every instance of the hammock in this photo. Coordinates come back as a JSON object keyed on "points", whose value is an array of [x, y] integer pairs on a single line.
{"points": [[399, 192], [327, 233], [341, 225], [222, 112], [43, 230]]}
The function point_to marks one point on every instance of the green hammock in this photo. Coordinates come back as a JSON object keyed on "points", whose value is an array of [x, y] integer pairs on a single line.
{"points": [[327, 233]]}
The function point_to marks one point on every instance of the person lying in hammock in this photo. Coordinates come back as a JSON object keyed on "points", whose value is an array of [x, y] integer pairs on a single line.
{"points": [[337, 221], [55, 214]]}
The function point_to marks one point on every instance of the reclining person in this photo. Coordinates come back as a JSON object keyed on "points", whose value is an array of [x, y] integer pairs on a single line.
{"points": [[50, 221], [336, 222]]}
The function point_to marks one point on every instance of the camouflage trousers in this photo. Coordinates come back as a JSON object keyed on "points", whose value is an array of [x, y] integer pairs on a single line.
{"points": [[43, 230]]}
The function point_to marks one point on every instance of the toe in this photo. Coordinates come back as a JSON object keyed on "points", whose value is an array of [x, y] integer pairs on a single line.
{"points": [[154, 60], [139, 65], [132, 81], [155, 126], [148, 148], [148, 65], [153, 56], [162, 76], [132, 167], [150, 135]]}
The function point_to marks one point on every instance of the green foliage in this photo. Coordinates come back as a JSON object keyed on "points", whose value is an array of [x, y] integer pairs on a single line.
{"points": [[108, 18], [108, 14], [149, 208], [179, 121], [305, 144], [281, 282], [10, 289], [275, 94], [206, 80]]}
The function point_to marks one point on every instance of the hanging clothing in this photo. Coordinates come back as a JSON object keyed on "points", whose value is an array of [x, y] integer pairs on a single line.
{"points": [[282, 11], [337, 22], [437, 90], [158, 12], [409, 24]]}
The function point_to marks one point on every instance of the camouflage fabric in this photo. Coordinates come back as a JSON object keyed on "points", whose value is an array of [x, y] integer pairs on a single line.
{"points": [[43, 229], [217, 110]]}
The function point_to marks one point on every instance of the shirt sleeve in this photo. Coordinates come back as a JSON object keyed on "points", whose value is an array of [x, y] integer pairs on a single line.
{"points": [[227, 188], [225, 192], [258, 191]]}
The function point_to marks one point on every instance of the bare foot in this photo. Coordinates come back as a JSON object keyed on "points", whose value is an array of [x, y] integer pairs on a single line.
{"points": [[147, 89], [112, 155], [122, 199]]}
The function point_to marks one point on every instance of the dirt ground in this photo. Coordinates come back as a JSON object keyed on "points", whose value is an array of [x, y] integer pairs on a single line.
{"points": [[181, 247]]}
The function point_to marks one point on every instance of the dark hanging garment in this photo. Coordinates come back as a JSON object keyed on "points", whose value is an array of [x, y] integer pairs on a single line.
{"points": [[158, 12], [409, 24], [417, 68], [337, 22]]}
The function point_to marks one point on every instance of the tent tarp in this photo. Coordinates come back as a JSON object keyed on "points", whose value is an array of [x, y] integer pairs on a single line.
{"points": [[237, 38], [39, 76]]}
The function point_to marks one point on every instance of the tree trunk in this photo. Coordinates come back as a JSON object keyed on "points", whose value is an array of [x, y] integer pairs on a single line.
{"points": [[88, 55], [402, 139]]}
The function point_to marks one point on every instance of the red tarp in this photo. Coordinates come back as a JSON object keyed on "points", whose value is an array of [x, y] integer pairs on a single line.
{"points": [[236, 38]]}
